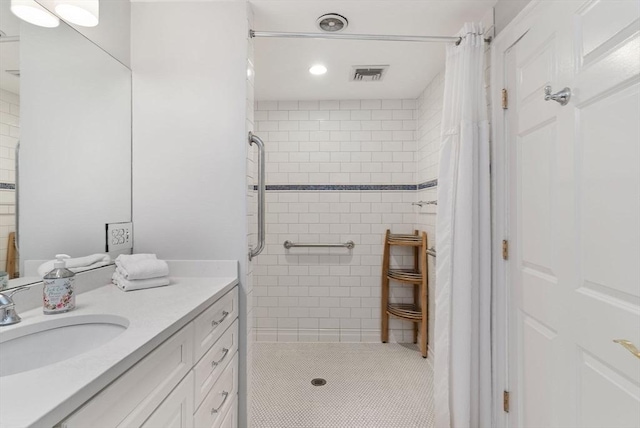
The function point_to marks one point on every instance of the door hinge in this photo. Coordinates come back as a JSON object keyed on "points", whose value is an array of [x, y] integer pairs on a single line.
{"points": [[505, 401], [505, 99], [505, 249]]}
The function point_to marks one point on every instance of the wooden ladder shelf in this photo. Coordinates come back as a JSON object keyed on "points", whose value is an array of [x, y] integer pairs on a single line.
{"points": [[418, 311]]}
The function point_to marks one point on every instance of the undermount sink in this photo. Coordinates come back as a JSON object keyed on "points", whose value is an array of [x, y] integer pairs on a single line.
{"points": [[37, 345]]}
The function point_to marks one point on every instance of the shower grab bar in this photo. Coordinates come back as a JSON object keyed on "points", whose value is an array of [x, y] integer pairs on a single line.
{"points": [[421, 203], [254, 139], [431, 252], [348, 244]]}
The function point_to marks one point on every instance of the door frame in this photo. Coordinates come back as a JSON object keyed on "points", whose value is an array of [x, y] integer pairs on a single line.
{"points": [[532, 14]]}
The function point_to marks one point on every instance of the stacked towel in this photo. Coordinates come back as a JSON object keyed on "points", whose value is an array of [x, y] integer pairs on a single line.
{"points": [[139, 271], [77, 264], [141, 266], [138, 284]]}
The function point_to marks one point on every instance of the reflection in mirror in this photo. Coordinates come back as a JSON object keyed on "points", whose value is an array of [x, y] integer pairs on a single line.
{"points": [[65, 148]]}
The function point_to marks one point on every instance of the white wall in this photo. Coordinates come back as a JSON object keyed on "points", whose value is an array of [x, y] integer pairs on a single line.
{"points": [[190, 145], [113, 33], [506, 10], [429, 118]]}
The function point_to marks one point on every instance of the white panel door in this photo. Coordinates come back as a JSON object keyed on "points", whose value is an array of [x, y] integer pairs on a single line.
{"points": [[574, 217]]}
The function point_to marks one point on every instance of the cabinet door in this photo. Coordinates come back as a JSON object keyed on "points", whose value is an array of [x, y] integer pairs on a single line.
{"points": [[176, 411]]}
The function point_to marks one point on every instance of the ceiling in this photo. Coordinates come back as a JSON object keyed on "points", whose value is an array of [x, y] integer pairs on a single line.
{"points": [[282, 65]]}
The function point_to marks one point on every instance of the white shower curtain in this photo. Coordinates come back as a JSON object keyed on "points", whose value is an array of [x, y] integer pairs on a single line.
{"points": [[462, 347]]}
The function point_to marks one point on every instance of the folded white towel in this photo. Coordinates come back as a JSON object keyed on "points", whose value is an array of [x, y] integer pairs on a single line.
{"points": [[132, 258], [139, 284], [77, 264], [141, 266]]}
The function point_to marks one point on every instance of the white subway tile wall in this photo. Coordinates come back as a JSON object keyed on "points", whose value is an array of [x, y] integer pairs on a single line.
{"points": [[339, 142], [429, 118], [326, 294], [333, 295], [9, 135], [429, 107]]}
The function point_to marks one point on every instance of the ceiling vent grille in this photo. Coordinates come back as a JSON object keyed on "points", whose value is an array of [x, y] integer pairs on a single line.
{"points": [[332, 22], [368, 73]]}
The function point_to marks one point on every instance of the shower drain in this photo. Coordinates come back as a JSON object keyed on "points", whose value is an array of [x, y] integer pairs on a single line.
{"points": [[318, 382]]}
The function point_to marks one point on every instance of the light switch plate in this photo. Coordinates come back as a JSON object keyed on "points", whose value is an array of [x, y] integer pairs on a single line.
{"points": [[119, 236]]}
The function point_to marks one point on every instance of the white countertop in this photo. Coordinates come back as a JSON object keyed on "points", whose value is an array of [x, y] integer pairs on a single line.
{"points": [[45, 396]]}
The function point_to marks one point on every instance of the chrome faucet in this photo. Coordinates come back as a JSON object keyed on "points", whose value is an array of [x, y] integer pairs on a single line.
{"points": [[8, 313]]}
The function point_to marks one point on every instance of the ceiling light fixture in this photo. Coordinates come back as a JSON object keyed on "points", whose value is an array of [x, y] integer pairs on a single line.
{"points": [[85, 13], [318, 69], [33, 13]]}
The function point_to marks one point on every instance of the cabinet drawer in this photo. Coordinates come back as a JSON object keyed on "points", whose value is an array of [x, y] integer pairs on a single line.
{"points": [[230, 420], [176, 411], [216, 404], [209, 368], [130, 399], [211, 323]]}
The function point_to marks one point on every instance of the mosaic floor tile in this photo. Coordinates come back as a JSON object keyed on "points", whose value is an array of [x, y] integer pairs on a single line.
{"points": [[369, 385]]}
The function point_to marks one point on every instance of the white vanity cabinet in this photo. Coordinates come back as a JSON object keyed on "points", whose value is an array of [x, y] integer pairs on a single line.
{"points": [[188, 381]]}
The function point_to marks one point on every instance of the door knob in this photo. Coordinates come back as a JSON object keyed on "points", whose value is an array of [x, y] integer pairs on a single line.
{"points": [[561, 97], [628, 346]]}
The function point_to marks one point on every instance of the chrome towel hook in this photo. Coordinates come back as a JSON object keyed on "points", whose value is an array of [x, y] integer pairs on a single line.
{"points": [[561, 97]]}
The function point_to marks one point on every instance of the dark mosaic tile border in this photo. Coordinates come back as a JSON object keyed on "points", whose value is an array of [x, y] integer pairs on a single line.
{"points": [[7, 186], [428, 184], [325, 187], [360, 187]]}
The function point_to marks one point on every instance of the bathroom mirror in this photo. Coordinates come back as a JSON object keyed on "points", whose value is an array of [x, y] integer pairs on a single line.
{"points": [[65, 149]]}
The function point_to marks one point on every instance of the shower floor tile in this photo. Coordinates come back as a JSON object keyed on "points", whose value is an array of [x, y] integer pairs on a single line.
{"points": [[369, 385]]}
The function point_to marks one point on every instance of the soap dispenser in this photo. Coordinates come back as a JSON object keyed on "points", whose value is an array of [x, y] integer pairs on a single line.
{"points": [[58, 293]]}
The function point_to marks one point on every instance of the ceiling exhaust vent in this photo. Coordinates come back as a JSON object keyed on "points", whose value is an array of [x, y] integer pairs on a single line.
{"points": [[332, 22], [368, 73]]}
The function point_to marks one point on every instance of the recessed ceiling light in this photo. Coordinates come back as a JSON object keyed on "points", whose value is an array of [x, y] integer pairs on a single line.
{"points": [[318, 69], [34, 13], [85, 13]]}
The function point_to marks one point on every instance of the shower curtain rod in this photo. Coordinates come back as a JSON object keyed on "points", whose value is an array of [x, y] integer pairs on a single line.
{"points": [[383, 38]]}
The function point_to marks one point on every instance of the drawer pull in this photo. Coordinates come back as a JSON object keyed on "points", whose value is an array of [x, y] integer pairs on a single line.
{"points": [[628, 346], [214, 323], [225, 394], [225, 351]]}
